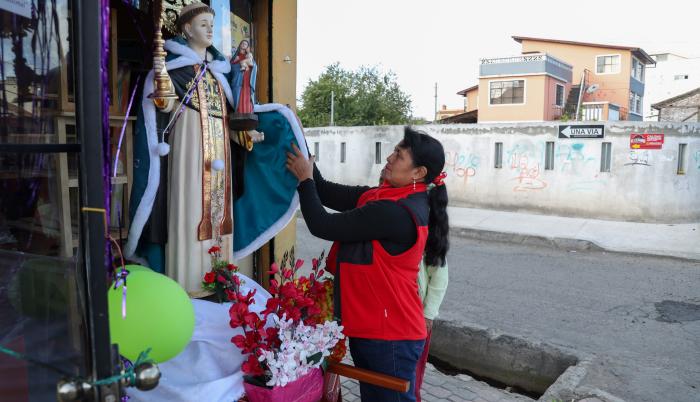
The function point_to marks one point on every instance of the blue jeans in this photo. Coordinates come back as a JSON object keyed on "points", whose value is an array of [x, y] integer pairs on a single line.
{"points": [[395, 358]]}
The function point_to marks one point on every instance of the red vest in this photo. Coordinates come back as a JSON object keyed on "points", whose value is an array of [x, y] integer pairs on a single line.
{"points": [[379, 296]]}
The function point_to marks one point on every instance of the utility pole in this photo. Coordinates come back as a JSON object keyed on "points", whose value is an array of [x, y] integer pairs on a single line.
{"points": [[435, 116], [332, 106]]}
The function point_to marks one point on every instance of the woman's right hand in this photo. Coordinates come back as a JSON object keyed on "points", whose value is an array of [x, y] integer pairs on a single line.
{"points": [[300, 167]]}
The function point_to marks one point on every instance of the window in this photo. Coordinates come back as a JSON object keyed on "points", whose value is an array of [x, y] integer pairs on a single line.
{"points": [[342, 152], [466, 103], [317, 149], [637, 69], [681, 158], [498, 158], [507, 92], [559, 98], [680, 77], [605, 156], [378, 153], [635, 103], [549, 156], [609, 64]]}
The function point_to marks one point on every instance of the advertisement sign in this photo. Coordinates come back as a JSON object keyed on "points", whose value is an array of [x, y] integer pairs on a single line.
{"points": [[646, 141]]}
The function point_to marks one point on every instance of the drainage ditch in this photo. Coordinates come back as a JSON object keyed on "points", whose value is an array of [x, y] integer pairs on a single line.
{"points": [[501, 360]]}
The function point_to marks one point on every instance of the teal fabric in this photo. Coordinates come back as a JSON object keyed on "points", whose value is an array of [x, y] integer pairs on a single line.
{"points": [[269, 186]]}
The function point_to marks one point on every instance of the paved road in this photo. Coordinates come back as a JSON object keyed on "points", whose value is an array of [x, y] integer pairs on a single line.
{"points": [[640, 316]]}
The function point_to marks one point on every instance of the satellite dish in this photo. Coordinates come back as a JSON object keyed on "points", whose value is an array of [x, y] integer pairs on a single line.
{"points": [[592, 88]]}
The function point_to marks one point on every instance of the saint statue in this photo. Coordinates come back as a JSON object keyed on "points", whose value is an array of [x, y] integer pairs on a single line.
{"points": [[182, 194], [244, 73]]}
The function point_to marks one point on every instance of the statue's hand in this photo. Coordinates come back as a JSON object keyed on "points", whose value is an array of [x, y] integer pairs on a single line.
{"points": [[158, 65], [256, 136]]}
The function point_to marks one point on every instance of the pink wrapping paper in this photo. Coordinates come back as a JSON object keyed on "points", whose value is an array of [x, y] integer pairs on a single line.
{"points": [[308, 388]]}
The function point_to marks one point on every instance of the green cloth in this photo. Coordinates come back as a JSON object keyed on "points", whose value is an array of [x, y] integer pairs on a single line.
{"points": [[432, 284]]}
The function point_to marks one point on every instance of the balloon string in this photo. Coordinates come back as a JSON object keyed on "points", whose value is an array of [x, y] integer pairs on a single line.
{"points": [[129, 373]]}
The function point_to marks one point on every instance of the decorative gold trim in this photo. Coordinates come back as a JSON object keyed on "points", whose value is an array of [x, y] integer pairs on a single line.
{"points": [[170, 11], [204, 229]]}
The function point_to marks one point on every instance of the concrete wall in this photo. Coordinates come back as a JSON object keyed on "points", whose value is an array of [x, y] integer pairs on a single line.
{"points": [[643, 185]]}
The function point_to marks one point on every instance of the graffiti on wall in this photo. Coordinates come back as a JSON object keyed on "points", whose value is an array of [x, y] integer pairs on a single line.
{"points": [[640, 158], [462, 164], [571, 159], [524, 159]]}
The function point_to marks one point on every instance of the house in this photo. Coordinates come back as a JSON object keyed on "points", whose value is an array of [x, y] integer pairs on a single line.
{"points": [[682, 108], [558, 79], [470, 112], [673, 75], [444, 112]]}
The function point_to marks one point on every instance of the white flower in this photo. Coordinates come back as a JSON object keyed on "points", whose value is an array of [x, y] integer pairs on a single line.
{"points": [[298, 343]]}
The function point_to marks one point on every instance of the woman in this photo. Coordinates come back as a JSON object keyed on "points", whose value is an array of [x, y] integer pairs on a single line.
{"points": [[380, 237]]}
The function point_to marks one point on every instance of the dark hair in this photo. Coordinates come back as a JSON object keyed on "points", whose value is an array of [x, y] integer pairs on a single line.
{"points": [[428, 152]]}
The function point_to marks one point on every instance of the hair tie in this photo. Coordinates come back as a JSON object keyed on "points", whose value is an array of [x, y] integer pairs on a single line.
{"points": [[439, 180]]}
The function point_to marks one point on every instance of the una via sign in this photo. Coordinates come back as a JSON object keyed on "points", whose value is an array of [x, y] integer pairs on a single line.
{"points": [[582, 131]]}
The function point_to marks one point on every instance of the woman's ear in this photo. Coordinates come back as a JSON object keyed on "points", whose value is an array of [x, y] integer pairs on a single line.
{"points": [[420, 173]]}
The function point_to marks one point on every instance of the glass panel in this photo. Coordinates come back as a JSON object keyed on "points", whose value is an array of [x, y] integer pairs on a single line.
{"points": [[41, 301], [36, 83], [41, 285]]}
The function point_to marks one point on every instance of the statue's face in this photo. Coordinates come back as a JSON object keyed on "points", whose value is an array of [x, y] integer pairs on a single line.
{"points": [[244, 47], [200, 30]]}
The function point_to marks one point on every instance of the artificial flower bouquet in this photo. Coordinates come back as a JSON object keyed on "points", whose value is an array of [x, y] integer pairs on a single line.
{"points": [[288, 342]]}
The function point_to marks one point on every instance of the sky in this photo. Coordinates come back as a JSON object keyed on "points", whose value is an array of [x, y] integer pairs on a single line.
{"points": [[441, 41]]}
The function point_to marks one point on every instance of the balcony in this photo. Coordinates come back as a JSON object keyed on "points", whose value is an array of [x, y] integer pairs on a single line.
{"points": [[527, 64]]}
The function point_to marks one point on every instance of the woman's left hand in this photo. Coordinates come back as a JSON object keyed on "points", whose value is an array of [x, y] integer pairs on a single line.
{"points": [[299, 166]]}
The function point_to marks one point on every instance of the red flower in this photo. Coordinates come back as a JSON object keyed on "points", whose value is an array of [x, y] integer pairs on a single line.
{"points": [[231, 267], [274, 269], [237, 313], [236, 280], [287, 273], [214, 249], [299, 264], [221, 279], [252, 366], [209, 277]]}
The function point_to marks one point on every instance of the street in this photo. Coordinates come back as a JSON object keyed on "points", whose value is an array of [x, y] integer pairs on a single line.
{"points": [[639, 315]]}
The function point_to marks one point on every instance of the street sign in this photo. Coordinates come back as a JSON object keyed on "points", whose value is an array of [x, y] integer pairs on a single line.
{"points": [[646, 141], [582, 131]]}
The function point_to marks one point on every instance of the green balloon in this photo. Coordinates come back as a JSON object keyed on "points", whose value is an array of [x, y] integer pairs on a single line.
{"points": [[159, 315], [133, 268]]}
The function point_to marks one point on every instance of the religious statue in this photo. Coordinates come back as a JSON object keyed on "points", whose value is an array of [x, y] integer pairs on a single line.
{"points": [[244, 73], [183, 157]]}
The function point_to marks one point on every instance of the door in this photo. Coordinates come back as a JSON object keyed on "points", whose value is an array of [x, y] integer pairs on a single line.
{"points": [[53, 311]]}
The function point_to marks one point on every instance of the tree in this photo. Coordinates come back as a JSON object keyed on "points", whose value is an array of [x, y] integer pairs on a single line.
{"points": [[365, 97]]}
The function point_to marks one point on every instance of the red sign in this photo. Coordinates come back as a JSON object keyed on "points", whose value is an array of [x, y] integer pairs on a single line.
{"points": [[646, 141]]}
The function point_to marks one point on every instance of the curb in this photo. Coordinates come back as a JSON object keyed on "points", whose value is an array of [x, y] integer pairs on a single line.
{"points": [[560, 243]]}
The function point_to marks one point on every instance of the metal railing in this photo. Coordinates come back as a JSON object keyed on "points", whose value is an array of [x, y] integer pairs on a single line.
{"points": [[526, 58]]}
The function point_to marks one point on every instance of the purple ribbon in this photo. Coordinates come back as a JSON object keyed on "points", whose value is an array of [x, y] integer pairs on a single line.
{"points": [[184, 102], [120, 280], [126, 121]]}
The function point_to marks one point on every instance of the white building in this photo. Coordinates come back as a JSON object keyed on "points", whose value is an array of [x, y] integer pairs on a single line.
{"points": [[672, 76]]}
